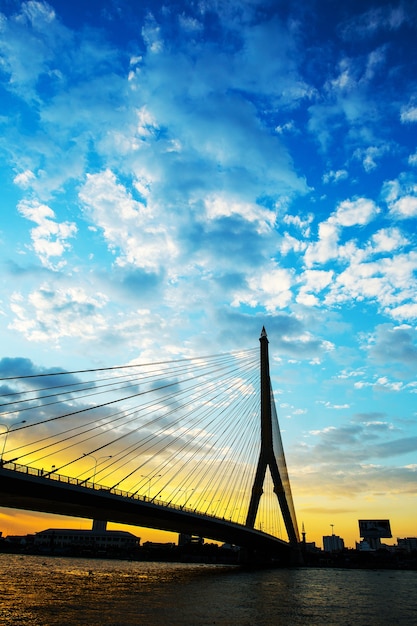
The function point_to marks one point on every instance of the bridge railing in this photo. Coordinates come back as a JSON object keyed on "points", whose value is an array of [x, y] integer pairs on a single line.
{"points": [[89, 484], [62, 478]]}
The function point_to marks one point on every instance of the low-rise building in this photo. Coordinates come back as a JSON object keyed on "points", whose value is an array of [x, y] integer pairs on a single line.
{"points": [[96, 541], [409, 544]]}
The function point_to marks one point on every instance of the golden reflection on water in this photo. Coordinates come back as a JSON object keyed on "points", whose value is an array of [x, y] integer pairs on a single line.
{"points": [[47, 591]]}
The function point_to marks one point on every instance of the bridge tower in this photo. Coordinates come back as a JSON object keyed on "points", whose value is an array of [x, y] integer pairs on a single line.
{"points": [[271, 454]]}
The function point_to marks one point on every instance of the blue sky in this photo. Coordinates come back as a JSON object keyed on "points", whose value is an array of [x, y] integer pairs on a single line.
{"points": [[175, 176]]}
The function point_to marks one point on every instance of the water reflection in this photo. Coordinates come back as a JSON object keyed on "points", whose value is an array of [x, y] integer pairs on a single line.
{"points": [[41, 591]]}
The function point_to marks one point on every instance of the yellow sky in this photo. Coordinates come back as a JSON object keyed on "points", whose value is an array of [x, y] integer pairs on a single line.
{"points": [[320, 514], [16, 522], [317, 513]]}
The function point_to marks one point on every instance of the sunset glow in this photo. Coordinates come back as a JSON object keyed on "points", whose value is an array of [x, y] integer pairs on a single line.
{"points": [[176, 176]]}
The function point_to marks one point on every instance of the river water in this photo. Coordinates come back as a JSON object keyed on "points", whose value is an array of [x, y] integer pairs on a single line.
{"points": [[51, 591]]}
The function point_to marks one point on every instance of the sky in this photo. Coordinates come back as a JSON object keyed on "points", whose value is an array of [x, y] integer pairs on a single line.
{"points": [[176, 175]]}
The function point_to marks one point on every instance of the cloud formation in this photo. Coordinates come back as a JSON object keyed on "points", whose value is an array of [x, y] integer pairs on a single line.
{"points": [[174, 177]]}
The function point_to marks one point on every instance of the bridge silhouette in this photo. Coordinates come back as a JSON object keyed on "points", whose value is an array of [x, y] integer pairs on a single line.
{"points": [[182, 446]]}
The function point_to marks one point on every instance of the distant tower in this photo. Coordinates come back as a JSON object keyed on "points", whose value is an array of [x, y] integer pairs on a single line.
{"points": [[303, 534]]}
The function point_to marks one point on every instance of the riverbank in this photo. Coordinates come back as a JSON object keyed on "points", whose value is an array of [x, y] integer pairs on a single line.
{"points": [[215, 554]]}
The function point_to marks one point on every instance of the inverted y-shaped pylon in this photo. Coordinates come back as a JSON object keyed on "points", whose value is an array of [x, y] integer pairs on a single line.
{"points": [[268, 457]]}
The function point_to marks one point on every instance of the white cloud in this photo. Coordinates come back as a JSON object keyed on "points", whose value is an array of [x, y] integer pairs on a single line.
{"points": [[287, 127], [386, 281], [296, 220], [291, 244], [405, 207], [390, 385], [375, 61], [128, 226], [391, 190], [370, 155], [49, 238], [302, 223], [38, 13], [406, 311], [409, 115], [412, 159], [400, 195], [147, 125], [51, 314], [307, 299], [189, 24], [314, 281], [25, 53], [388, 240], [151, 34], [357, 212], [221, 206], [333, 176], [269, 288], [24, 179], [193, 174], [349, 213], [337, 407], [326, 248]]}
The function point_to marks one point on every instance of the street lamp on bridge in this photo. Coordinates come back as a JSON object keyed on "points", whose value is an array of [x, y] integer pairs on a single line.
{"points": [[149, 480], [8, 428], [96, 460], [187, 491]]}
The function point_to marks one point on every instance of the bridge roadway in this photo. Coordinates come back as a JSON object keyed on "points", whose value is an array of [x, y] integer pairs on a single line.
{"points": [[27, 488]]}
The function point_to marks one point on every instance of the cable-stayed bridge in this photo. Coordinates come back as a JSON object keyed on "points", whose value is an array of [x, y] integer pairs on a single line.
{"points": [[187, 445]]}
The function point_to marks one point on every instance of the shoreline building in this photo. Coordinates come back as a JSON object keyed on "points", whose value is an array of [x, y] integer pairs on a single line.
{"points": [[98, 540], [333, 543], [409, 544]]}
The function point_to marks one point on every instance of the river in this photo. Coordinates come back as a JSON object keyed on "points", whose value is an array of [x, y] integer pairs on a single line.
{"points": [[52, 591]]}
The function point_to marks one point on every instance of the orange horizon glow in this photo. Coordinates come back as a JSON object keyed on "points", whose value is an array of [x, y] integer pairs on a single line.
{"points": [[321, 515], [317, 523]]}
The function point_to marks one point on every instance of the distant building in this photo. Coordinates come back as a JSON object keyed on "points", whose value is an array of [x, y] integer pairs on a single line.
{"points": [[157, 545], [185, 539], [19, 540], [230, 546], [409, 544], [98, 540], [363, 546], [333, 543], [62, 539]]}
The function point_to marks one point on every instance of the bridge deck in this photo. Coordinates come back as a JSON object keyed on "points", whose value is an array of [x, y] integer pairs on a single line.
{"points": [[26, 488]]}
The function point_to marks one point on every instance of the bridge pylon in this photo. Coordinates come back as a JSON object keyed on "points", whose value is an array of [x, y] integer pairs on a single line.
{"points": [[268, 454]]}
